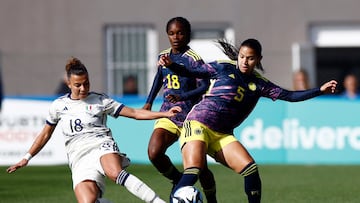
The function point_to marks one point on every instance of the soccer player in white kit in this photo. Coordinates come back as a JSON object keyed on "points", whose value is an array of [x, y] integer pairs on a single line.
{"points": [[91, 150]]}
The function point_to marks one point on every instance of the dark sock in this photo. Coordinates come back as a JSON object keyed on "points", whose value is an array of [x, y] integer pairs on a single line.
{"points": [[252, 182], [173, 174], [208, 184], [189, 178]]}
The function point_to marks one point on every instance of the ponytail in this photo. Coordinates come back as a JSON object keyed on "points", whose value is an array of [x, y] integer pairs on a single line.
{"points": [[228, 49]]}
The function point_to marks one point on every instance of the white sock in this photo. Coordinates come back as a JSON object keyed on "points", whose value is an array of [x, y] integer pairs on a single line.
{"points": [[138, 188]]}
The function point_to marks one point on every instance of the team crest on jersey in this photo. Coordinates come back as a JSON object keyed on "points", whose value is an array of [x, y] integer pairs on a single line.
{"points": [[232, 76], [252, 86], [198, 131]]}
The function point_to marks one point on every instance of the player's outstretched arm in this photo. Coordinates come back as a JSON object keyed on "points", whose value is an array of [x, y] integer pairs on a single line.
{"points": [[329, 87], [37, 145], [302, 95], [142, 114]]}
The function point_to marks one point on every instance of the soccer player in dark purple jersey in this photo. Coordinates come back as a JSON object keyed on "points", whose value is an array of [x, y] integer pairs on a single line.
{"points": [[177, 91], [234, 91]]}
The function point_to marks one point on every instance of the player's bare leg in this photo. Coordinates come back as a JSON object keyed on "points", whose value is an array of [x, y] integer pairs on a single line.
{"points": [[86, 191], [194, 157], [160, 141]]}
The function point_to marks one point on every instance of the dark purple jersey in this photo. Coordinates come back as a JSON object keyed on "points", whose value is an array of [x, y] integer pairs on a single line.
{"points": [[189, 89], [232, 95]]}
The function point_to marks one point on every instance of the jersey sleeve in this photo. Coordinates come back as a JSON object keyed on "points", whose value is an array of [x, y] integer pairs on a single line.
{"points": [[111, 106], [275, 92], [200, 71], [156, 86], [295, 96], [202, 83], [53, 116]]}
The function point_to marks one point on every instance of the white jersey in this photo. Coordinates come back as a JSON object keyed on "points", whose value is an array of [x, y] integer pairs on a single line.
{"points": [[83, 122]]}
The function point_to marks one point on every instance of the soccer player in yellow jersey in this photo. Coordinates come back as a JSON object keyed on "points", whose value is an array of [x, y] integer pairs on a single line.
{"points": [[209, 126], [177, 91]]}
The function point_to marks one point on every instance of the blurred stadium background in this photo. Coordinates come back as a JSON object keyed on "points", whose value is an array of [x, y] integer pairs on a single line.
{"points": [[118, 39]]}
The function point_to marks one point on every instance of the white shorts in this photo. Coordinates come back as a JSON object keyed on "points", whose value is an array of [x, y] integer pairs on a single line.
{"points": [[89, 166]]}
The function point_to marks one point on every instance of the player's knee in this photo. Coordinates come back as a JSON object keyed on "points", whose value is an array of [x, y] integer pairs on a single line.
{"points": [[154, 153], [156, 150], [113, 173], [112, 176]]}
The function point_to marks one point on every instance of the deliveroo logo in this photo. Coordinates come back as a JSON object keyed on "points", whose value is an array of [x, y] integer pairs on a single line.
{"points": [[291, 135]]}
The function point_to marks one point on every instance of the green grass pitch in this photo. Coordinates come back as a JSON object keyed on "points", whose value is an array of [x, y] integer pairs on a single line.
{"points": [[281, 184]]}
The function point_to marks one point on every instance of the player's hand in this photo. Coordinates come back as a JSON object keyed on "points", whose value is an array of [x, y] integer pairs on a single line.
{"points": [[15, 167], [329, 87], [174, 110], [147, 106], [173, 98], [164, 60]]}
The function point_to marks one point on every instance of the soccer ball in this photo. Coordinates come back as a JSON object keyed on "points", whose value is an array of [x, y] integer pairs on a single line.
{"points": [[187, 194]]}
